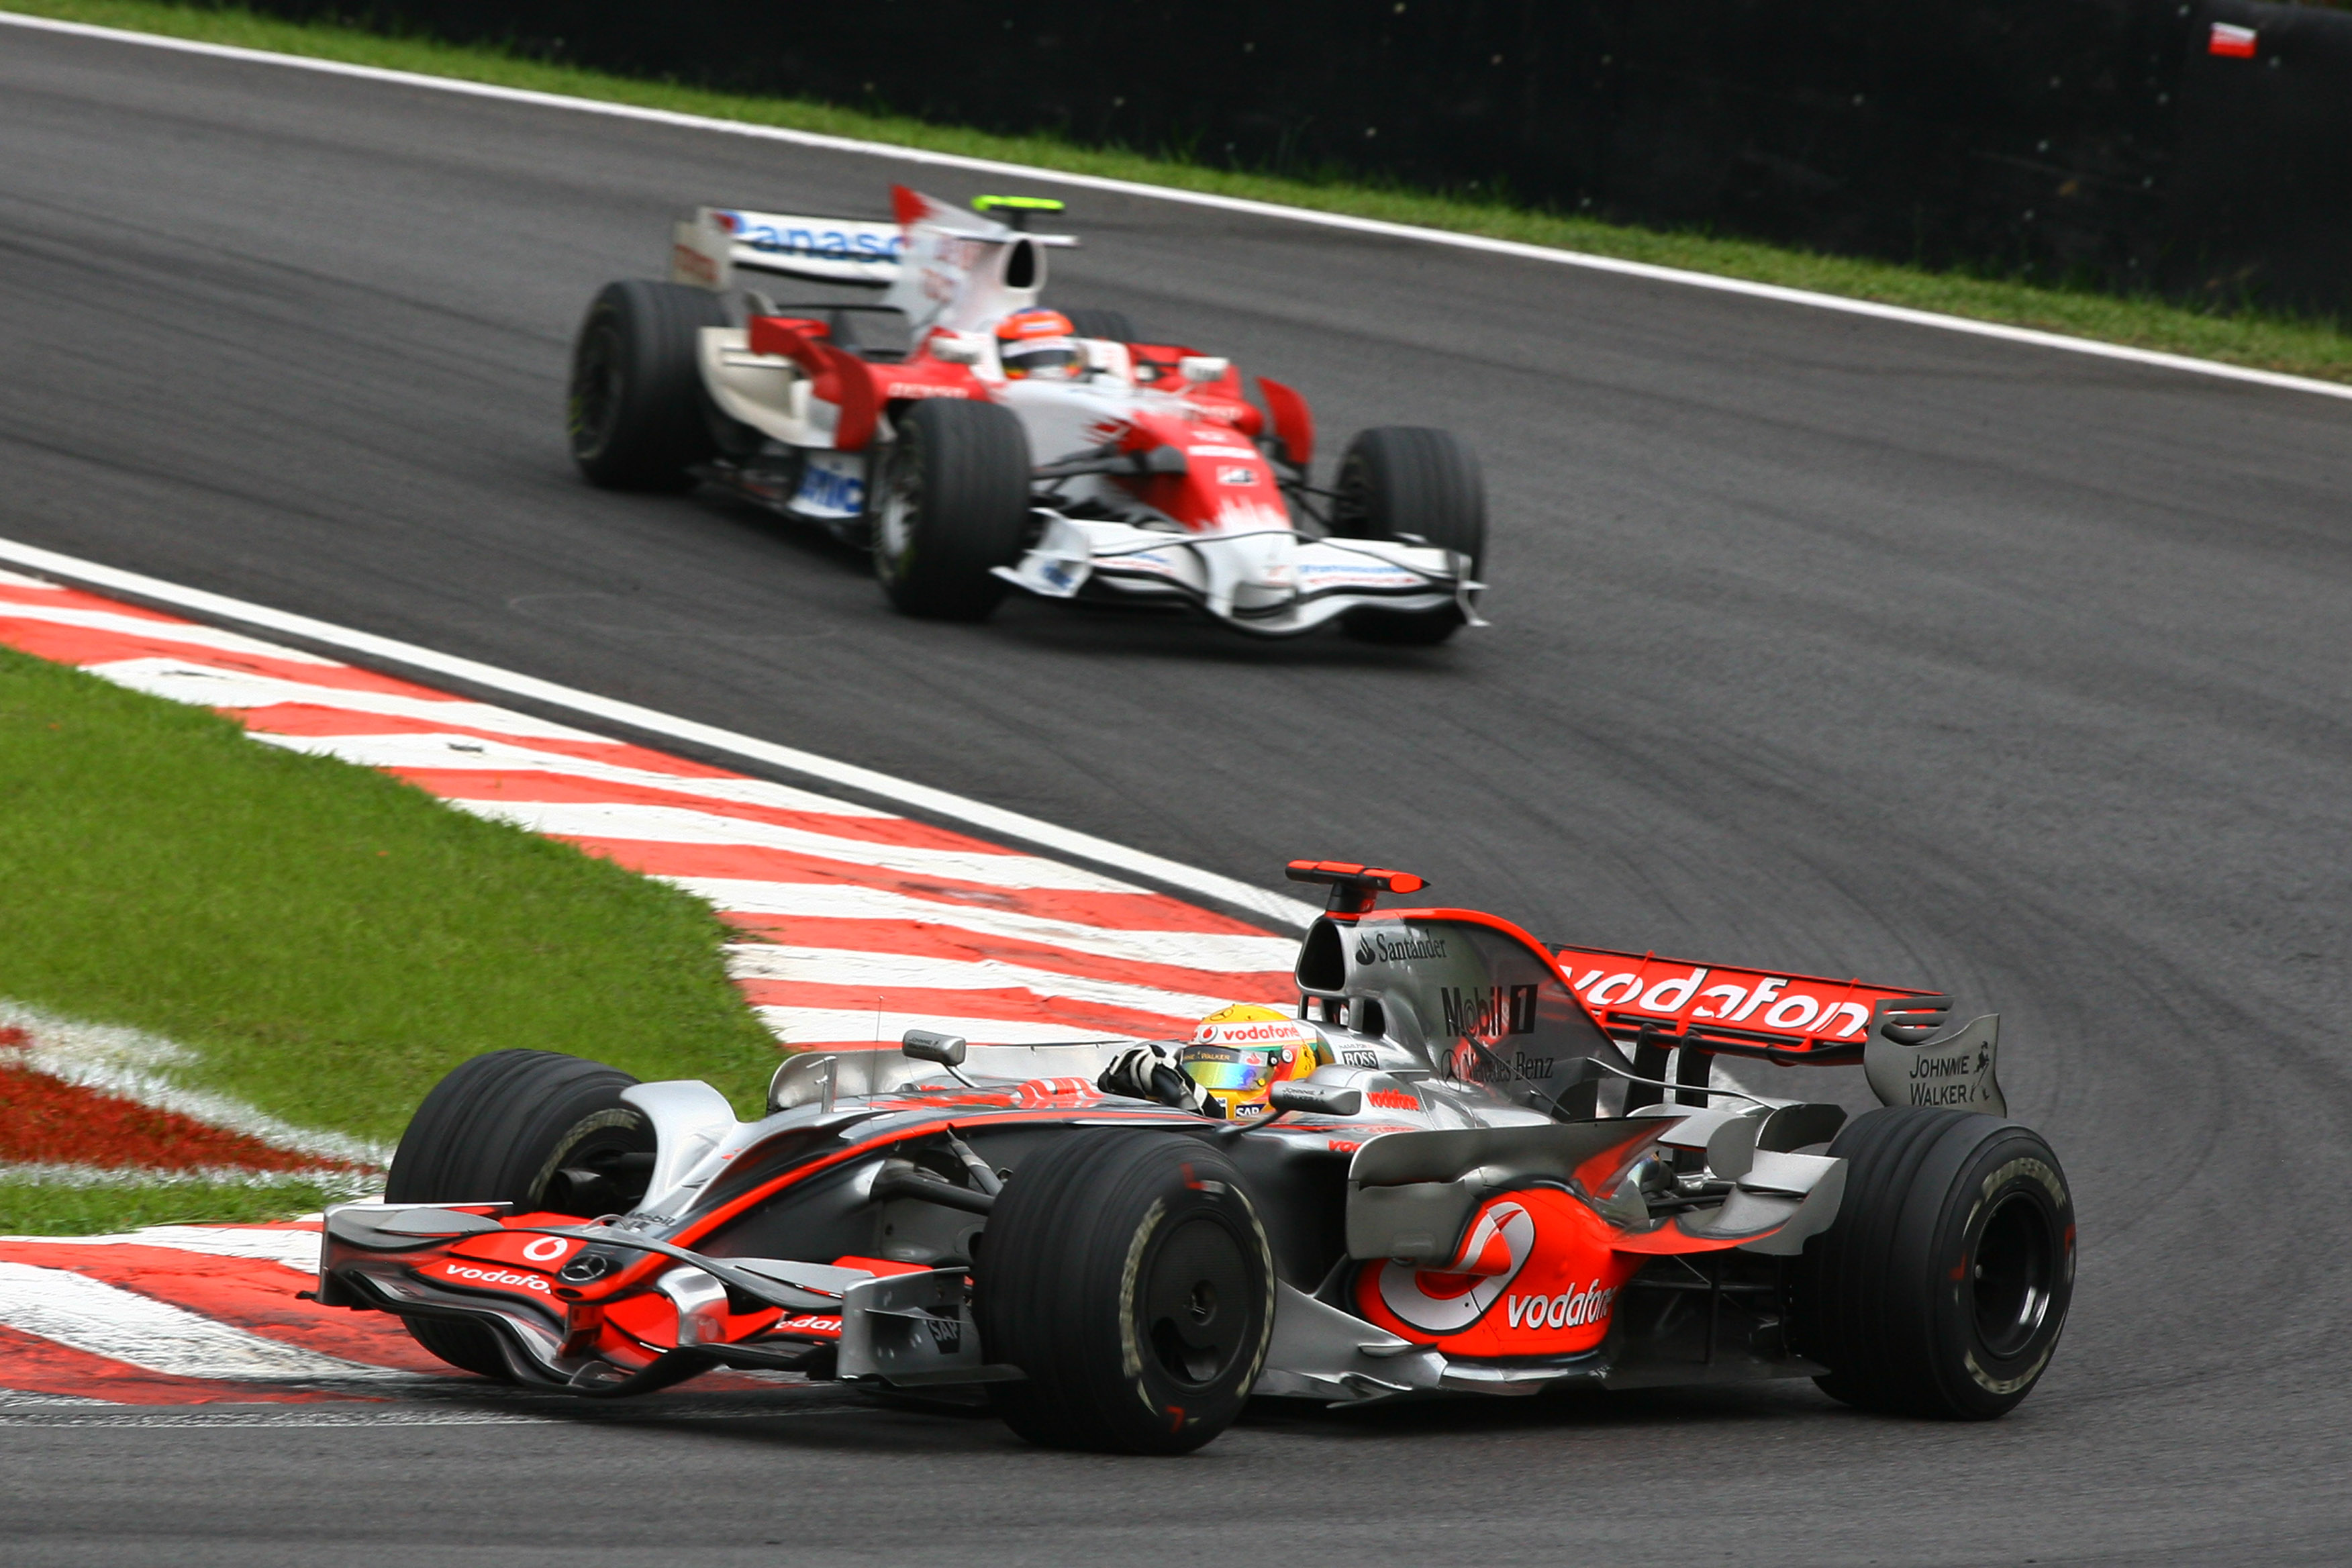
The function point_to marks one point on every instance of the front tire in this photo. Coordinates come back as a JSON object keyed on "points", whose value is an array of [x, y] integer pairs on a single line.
{"points": [[1942, 1286], [637, 416], [1397, 482], [538, 1130], [1128, 1273], [954, 506]]}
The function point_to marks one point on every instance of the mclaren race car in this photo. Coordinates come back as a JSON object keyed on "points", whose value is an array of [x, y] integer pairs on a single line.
{"points": [[980, 442], [1490, 1166]]}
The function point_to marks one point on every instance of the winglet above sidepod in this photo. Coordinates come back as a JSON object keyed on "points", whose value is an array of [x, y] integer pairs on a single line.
{"points": [[1353, 887]]}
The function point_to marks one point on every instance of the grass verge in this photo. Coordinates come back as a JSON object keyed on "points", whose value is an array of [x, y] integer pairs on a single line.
{"points": [[28, 1208], [329, 941], [2269, 342]]}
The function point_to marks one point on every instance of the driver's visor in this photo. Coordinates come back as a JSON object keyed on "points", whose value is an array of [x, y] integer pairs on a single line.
{"points": [[1227, 1070]]}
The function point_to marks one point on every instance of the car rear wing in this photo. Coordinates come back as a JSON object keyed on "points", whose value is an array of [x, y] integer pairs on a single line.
{"points": [[1901, 1036], [1736, 1012], [709, 248]]}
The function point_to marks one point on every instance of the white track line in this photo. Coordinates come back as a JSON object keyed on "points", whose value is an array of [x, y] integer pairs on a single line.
{"points": [[1516, 249], [192, 686], [84, 1314], [338, 1184], [296, 1249]]}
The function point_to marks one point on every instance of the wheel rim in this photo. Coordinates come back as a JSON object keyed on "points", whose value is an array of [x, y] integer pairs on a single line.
{"points": [[1195, 1303], [595, 388], [2010, 1278], [902, 499]]}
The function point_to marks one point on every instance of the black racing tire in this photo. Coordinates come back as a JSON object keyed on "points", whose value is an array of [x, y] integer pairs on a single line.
{"points": [[510, 1126], [1096, 322], [1128, 1273], [1942, 1286], [637, 412], [953, 506], [1397, 481]]}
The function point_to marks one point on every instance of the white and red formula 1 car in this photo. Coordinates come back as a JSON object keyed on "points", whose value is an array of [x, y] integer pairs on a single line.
{"points": [[1473, 1189], [980, 442]]}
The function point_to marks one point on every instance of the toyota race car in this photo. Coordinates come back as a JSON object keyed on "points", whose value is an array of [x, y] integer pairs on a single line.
{"points": [[1506, 1169], [980, 442]]}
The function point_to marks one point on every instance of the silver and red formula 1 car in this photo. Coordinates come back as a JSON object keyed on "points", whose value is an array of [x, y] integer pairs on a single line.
{"points": [[980, 442], [1507, 1170]]}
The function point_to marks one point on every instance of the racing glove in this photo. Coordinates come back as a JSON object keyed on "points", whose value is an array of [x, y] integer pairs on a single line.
{"points": [[1150, 1072]]}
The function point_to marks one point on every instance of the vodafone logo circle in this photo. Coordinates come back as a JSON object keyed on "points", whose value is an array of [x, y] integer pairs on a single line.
{"points": [[546, 1250], [1441, 1302]]}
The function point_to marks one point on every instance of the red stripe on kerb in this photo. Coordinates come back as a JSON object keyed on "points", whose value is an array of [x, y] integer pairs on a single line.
{"points": [[1009, 1006], [541, 788], [31, 1364], [246, 1293], [43, 1119], [919, 938], [754, 863], [75, 599]]}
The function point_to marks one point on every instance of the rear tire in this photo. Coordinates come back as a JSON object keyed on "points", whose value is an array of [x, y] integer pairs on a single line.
{"points": [[524, 1127], [953, 506], [1398, 480], [1942, 1286], [1128, 1273], [1092, 322], [638, 415]]}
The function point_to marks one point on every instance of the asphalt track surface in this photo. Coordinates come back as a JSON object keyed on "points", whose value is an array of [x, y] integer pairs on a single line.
{"points": [[1818, 642]]}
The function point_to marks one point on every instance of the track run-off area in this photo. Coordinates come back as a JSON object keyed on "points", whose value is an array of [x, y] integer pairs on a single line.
{"points": [[1821, 641]]}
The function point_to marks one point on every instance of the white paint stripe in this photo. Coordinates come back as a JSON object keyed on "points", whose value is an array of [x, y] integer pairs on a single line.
{"points": [[338, 1184], [626, 821], [937, 803], [10, 579], [465, 753], [132, 1064], [835, 1025], [1516, 249], [1216, 951], [86, 1315], [847, 967], [294, 1249], [154, 631], [176, 680]]}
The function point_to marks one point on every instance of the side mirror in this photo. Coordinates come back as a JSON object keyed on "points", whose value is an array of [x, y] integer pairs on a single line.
{"points": [[1198, 368], [955, 348], [1319, 1099], [948, 1050]]}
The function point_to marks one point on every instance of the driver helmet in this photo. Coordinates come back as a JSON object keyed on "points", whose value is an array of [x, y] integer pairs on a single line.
{"points": [[1040, 343], [1239, 1053]]}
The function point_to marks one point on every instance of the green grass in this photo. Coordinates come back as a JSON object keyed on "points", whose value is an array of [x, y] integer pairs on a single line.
{"points": [[329, 940], [30, 1209], [2306, 347]]}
